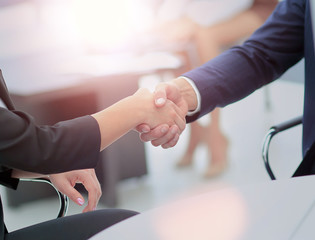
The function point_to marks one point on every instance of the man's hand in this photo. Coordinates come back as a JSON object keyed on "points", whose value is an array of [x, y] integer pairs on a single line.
{"points": [[66, 181], [182, 94]]}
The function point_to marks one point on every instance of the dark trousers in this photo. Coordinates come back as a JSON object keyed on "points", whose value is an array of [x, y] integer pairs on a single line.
{"points": [[76, 227]]}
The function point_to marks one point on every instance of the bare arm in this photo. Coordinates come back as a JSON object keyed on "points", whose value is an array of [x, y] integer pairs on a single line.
{"points": [[23, 174]]}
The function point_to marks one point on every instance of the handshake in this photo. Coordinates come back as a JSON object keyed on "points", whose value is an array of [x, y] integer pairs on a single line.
{"points": [[159, 117], [165, 120]]}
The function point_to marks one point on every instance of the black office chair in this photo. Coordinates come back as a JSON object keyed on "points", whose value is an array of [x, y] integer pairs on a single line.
{"points": [[270, 134], [63, 199]]}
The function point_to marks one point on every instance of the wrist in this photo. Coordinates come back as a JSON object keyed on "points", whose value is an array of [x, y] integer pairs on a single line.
{"points": [[140, 106], [187, 92]]}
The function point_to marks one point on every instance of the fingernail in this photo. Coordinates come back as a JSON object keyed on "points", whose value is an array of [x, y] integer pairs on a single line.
{"points": [[163, 129], [173, 131], [80, 201], [145, 130], [160, 101], [176, 137]]}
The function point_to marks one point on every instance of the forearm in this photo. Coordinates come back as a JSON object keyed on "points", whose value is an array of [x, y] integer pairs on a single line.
{"points": [[23, 174], [75, 143], [241, 70], [117, 120]]}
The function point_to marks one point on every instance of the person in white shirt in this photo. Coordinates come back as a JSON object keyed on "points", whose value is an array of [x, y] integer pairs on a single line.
{"points": [[211, 25]]}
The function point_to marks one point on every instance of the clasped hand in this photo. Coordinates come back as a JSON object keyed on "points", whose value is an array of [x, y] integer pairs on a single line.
{"points": [[66, 181], [165, 135]]}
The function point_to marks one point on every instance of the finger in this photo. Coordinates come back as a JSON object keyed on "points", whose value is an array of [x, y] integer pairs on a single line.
{"points": [[179, 110], [181, 124], [94, 193], [171, 143], [155, 133], [73, 194], [167, 137], [169, 91], [97, 183], [160, 95], [142, 128], [180, 118]]}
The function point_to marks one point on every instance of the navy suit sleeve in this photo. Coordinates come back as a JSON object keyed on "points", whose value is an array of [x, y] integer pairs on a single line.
{"points": [[68, 145], [264, 57]]}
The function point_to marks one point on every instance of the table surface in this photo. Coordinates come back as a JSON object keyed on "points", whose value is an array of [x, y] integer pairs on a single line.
{"points": [[282, 209], [29, 75]]}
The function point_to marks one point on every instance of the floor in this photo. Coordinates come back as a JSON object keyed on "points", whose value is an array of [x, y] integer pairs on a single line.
{"points": [[245, 123]]}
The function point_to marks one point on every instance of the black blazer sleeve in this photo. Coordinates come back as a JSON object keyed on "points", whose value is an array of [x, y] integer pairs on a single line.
{"points": [[68, 145], [6, 179]]}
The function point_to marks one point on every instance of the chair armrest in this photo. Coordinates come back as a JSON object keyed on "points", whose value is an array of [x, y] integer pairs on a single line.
{"points": [[288, 124], [270, 134], [63, 199]]}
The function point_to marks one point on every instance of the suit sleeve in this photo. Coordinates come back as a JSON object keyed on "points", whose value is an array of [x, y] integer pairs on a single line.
{"points": [[6, 179], [264, 57], [68, 145]]}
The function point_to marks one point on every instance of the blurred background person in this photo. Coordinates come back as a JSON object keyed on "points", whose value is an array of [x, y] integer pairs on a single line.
{"points": [[212, 26]]}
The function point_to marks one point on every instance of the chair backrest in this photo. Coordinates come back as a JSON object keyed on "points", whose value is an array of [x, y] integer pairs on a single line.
{"points": [[63, 199]]}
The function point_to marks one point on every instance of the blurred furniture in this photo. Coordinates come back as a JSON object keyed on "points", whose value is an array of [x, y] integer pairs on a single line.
{"points": [[6, 3], [307, 163], [282, 209], [63, 199]]}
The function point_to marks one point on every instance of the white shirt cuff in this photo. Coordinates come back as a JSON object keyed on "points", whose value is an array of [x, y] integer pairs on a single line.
{"points": [[191, 113]]}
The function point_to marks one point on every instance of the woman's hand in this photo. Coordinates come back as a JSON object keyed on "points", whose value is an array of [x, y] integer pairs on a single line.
{"points": [[66, 181]]}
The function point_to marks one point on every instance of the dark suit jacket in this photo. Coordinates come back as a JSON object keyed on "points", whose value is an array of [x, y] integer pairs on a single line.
{"points": [[284, 39], [24, 145]]}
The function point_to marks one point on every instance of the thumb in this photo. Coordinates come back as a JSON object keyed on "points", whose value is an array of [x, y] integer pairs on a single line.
{"points": [[143, 128], [160, 95]]}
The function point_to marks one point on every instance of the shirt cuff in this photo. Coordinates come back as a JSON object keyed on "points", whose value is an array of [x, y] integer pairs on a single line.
{"points": [[193, 85]]}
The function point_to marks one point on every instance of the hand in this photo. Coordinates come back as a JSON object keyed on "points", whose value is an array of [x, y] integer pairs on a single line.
{"points": [[167, 112], [164, 135], [66, 181]]}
